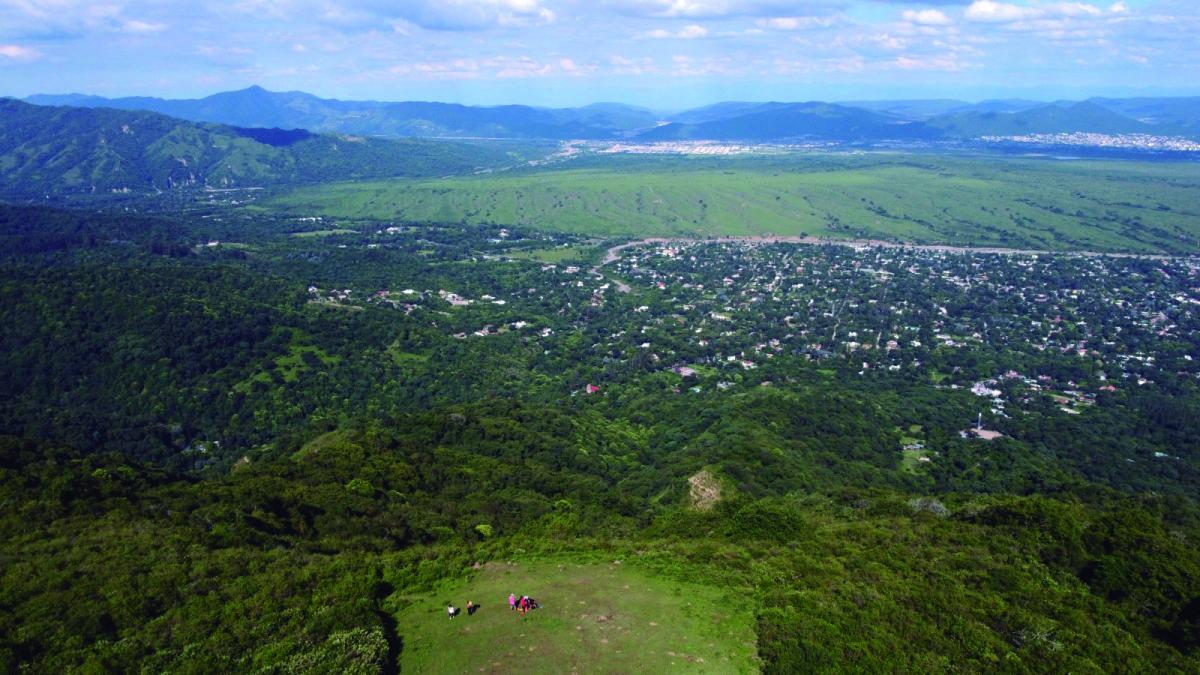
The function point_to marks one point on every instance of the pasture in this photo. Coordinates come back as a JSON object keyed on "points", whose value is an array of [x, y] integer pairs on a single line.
{"points": [[927, 199]]}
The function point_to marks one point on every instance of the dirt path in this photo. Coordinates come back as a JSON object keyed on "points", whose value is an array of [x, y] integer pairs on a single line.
{"points": [[704, 491], [614, 254]]}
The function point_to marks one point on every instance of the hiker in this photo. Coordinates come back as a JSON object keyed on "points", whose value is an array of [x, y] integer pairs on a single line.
{"points": [[453, 611], [471, 607], [524, 605], [512, 602]]}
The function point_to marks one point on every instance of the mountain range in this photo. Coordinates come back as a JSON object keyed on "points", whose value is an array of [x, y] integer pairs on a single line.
{"points": [[70, 150], [747, 121], [254, 137]]}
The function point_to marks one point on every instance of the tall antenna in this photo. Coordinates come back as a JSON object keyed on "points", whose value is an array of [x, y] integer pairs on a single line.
{"points": [[979, 422]]}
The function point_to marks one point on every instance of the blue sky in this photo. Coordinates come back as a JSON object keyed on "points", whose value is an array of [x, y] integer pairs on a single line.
{"points": [[659, 53]]}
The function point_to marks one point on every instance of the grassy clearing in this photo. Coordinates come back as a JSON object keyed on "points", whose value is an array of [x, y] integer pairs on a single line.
{"points": [[912, 458], [993, 201], [555, 255], [596, 618], [288, 367], [323, 233]]}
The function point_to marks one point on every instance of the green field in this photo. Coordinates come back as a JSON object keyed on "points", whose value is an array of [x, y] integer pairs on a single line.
{"points": [[992, 201], [324, 233], [595, 618], [557, 254]]}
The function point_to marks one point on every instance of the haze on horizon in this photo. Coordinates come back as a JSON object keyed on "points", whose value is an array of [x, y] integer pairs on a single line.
{"points": [[662, 54]]}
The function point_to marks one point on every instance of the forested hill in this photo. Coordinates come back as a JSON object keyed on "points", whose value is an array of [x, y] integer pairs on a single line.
{"points": [[1049, 119], [255, 106], [65, 150]]}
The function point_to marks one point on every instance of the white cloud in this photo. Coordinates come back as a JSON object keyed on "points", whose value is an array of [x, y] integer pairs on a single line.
{"points": [[571, 67], [716, 9], [853, 63], [454, 69], [799, 22], [686, 66], [690, 32], [135, 26], [941, 63], [367, 15], [18, 53], [465, 14], [926, 17], [1073, 9], [621, 65], [502, 67], [989, 11]]}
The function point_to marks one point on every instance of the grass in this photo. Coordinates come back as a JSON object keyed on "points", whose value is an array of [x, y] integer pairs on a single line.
{"points": [[992, 201], [596, 618], [402, 358], [555, 255], [911, 459], [331, 440], [291, 365], [323, 233]]}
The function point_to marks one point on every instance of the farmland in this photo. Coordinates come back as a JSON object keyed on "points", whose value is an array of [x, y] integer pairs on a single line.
{"points": [[929, 199]]}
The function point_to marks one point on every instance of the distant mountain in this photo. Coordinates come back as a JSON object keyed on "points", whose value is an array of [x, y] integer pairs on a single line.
{"points": [[66, 150], [257, 107], [1182, 113], [925, 109], [1046, 119], [917, 109], [782, 121], [1002, 105], [720, 111]]}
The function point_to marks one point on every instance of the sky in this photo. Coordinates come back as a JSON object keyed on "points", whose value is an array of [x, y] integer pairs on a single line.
{"points": [[663, 54]]}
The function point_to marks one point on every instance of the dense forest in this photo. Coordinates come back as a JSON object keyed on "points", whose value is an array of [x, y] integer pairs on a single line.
{"points": [[237, 441]]}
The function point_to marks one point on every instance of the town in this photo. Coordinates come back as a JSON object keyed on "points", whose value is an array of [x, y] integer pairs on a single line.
{"points": [[1098, 140], [1018, 332]]}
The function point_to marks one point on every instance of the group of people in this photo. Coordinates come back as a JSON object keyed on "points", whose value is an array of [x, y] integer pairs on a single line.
{"points": [[522, 604], [454, 611]]}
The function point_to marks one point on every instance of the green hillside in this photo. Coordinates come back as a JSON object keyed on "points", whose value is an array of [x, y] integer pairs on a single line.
{"points": [[45, 150]]}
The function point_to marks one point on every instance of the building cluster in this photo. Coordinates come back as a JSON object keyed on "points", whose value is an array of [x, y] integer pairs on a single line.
{"points": [[1095, 140]]}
